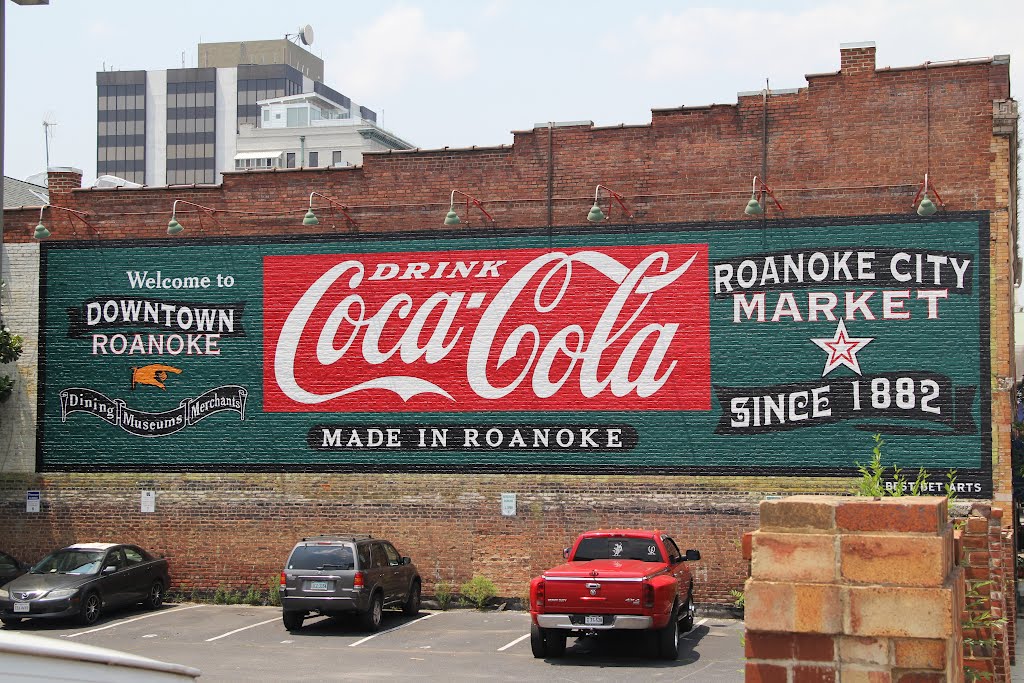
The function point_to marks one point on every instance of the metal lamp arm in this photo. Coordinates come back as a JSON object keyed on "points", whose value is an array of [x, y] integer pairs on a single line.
{"points": [[474, 201], [612, 195], [341, 207], [766, 190]]}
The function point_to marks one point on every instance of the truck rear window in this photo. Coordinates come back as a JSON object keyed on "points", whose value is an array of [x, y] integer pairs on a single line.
{"points": [[321, 557], [643, 549]]}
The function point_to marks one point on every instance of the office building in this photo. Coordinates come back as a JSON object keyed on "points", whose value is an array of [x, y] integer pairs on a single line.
{"points": [[181, 126]]}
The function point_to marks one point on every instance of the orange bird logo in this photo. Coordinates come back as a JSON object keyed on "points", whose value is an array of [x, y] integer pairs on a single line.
{"points": [[154, 375]]}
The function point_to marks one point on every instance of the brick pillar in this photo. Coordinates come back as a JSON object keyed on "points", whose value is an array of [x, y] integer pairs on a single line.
{"points": [[854, 589], [988, 608]]}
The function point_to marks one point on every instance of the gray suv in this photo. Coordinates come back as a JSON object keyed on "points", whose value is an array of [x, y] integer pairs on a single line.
{"points": [[347, 573]]}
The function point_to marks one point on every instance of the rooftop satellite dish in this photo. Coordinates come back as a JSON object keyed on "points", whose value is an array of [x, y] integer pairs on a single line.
{"points": [[306, 35]]}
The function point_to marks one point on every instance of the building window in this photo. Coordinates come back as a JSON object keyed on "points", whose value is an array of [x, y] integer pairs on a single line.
{"points": [[336, 158], [290, 160], [314, 159]]}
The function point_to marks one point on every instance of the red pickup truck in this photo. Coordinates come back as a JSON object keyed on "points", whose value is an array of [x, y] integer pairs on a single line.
{"points": [[614, 579]]}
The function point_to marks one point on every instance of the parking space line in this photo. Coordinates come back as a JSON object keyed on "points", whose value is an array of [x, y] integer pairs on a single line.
{"points": [[128, 621], [244, 628], [514, 642], [380, 633]]}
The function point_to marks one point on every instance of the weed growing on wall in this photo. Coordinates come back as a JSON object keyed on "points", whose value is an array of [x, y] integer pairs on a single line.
{"points": [[872, 478]]}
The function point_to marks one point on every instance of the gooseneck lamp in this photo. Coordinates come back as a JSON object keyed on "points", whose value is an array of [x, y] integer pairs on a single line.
{"points": [[452, 218], [596, 215], [758, 192], [174, 227], [311, 219], [41, 233], [927, 207]]}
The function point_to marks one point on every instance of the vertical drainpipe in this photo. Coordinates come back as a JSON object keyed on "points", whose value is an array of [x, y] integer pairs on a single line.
{"points": [[551, 172], [302, 151]]}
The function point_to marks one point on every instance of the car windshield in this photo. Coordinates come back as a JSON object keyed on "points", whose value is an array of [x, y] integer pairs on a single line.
{"points": [[618, 549], [69, 561], [321, 557]]}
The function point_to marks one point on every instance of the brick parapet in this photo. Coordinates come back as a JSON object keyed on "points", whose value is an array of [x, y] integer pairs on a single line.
{"points": [[844, 145]]}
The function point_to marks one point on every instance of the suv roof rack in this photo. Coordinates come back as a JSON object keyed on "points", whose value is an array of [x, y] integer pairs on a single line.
{"points": [[338, 537]]}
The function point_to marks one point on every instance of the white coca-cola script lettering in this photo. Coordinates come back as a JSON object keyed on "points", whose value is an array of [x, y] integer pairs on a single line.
{"points": [[351, 329]]}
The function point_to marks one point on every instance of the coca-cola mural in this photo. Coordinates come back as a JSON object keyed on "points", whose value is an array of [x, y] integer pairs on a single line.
{"points": [[775, 348]]}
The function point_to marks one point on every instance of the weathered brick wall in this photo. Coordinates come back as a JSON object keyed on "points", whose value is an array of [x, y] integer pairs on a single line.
{"points": [[856, 142], [236, 530], [854, 589]]}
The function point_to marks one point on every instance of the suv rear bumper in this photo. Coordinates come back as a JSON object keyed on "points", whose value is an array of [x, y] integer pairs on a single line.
{"points": [[323, 604], [628, 622]]}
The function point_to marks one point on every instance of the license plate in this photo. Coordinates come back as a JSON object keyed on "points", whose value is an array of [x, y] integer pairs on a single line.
{"points": [[591, 620], [21, 607], [319, 585]]}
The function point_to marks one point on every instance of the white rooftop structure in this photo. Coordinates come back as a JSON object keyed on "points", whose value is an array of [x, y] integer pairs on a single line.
{"points": [[309, 130]]}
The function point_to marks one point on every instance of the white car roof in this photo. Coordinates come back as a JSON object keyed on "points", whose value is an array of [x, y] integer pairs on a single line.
{"points": [[92, 546]]}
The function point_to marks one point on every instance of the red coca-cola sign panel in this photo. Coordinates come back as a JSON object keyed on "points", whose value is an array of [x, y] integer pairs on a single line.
{"points": [[587, 329]]}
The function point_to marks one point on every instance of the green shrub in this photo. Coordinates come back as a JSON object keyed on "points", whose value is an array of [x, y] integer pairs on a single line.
{"points": [[444, 593], [253, 596], [220, 596], [478, 591], [274, 591]]}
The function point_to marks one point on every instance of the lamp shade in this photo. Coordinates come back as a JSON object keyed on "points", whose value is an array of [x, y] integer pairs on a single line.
{"points": [[596, 215], [926, 207], [754, 207], [41, 232], [173, 227], [310, 218], [452, 218]]}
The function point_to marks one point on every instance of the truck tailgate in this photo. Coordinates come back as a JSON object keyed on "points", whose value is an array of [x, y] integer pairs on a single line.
{"points": [[592, 587]]}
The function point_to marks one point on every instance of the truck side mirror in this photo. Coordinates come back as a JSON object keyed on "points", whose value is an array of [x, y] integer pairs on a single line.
{"points": [[565, 553], [406, 560], [692, 555]]}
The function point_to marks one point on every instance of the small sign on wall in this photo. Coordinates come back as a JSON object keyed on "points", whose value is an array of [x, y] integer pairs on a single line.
{"points": [[149, 501], [508, 504], [32, 499]]}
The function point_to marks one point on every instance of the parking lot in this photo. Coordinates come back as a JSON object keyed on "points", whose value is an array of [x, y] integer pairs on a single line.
{"points": [[241, 643]]}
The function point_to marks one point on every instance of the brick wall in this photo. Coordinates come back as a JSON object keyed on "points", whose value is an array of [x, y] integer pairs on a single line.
{"points": [[855, 142]]}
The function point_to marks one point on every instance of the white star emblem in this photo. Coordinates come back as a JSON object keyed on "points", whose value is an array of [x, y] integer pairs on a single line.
{"points": [[842, 349]]}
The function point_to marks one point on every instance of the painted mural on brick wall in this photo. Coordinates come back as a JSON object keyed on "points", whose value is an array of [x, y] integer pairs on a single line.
{"points": [[704, 349]]}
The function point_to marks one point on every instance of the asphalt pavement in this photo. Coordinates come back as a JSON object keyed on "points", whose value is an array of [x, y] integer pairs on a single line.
{"points": [[242, 643]]}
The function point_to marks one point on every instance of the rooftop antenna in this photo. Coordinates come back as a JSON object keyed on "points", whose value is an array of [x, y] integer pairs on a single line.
{"points": [[48, 123], [304, 35]]}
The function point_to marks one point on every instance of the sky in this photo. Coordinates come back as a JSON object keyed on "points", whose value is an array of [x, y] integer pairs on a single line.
{"points": [[452, 73]]}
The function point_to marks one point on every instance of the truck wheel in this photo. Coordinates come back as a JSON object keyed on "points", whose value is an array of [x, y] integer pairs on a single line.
{"points": [[537, 644], [686, 623], [555, 640], [667, 638]]}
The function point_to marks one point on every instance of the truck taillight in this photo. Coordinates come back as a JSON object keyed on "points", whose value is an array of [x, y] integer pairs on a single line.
{"points": [[539, 595], [648, 595], [284, 579], [357, 580]]}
